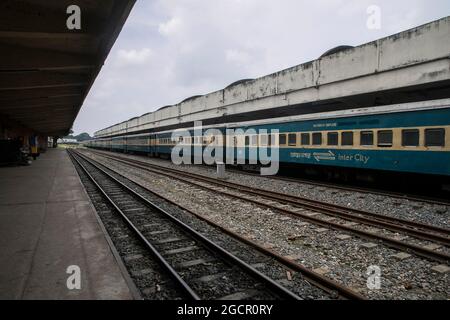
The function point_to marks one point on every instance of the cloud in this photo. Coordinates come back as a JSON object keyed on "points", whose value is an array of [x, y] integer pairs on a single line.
{"points": [[237, 56], [170, 27], [133, 57]]}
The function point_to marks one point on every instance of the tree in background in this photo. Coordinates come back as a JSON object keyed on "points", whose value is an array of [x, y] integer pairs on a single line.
{"points": [[81, 137]]}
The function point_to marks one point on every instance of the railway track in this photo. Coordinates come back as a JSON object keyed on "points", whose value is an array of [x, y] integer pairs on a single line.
{"points": [[184, 253], [306, 209], [392, 194], [334, 289]]}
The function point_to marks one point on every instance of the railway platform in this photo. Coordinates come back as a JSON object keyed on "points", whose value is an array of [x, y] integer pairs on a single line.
{"points": [[49, 232]]}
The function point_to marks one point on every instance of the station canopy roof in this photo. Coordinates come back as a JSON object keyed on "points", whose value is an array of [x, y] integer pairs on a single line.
{"points": [[46, 70]]}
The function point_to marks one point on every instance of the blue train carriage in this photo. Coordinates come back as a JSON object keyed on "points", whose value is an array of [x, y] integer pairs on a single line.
{"points": [[413, 137], [164, 142], [103, 143], [117, 144], [138, 143]]}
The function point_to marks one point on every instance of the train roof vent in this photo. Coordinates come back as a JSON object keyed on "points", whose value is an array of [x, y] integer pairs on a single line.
{"points": [[336, 50], [238, 82]]}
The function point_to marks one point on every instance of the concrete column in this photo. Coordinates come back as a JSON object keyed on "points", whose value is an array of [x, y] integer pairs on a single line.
{"points": [[220, 170]]}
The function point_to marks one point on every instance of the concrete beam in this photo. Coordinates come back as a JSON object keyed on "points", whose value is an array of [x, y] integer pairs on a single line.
{"points": [[15, 58], [41, 80], [61, 121], [16, 104], [10, 95], [41, 110], [46, 36]]}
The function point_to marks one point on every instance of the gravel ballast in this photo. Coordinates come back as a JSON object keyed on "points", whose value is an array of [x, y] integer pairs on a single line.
{"points": [[339, 256]]}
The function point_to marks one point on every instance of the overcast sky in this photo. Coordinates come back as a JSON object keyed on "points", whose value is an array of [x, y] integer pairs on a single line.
{"points": [[169, 50]]}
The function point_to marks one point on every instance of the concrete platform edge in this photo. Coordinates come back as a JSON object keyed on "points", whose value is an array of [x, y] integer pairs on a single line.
{"points": [[126, 275]]}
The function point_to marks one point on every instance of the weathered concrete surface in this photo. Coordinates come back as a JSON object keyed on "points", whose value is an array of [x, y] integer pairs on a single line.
{"points": [[415, 57], [47, 223]]}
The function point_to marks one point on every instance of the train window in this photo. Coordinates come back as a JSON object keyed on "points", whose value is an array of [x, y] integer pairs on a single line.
{"points": [[247, 140], [347, 138], [292, 139], [435, 137], [254, 140], [305, 139], [366, 138], [385, 138], [332, 138], [271, 140], [263, 140], [282, 139], [410, 138], [317, 138]]}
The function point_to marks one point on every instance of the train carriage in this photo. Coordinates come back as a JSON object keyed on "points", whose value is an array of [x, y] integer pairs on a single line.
{"points": [[118, 143], [138, 144], [410, 137]]}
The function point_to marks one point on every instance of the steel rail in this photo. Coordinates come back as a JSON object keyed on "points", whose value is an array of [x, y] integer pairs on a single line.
{"points": [[296, 199], [163, 262], [268, 282], [392, 194], [397, 244], [318, 280]]}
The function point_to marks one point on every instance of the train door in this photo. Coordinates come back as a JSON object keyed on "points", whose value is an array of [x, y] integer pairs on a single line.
{"points": [[150, 145], [234, 148]]}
